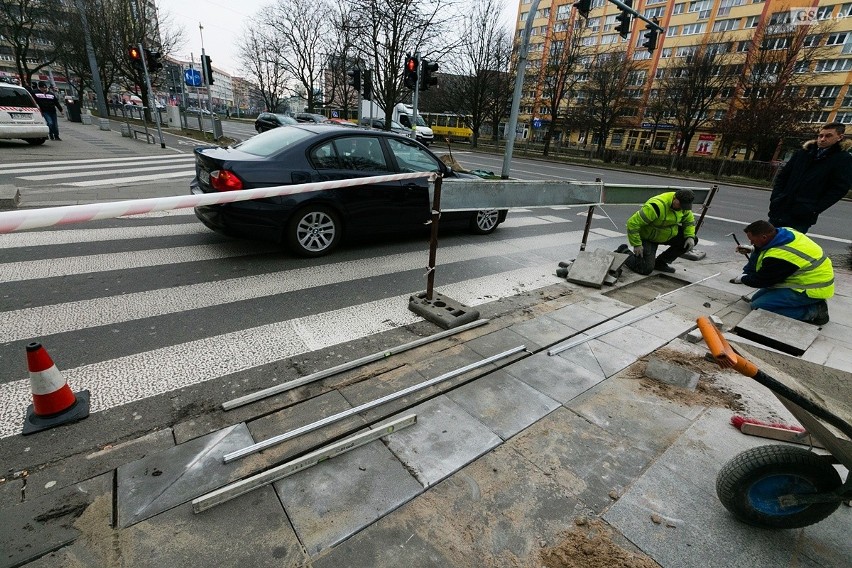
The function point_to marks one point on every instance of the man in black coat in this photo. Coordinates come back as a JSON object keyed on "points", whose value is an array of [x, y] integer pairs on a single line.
{"points": [[48, 103], [815, 178]]}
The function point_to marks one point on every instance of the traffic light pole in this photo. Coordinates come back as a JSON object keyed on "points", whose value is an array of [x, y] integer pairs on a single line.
{"points": [[624, 7], [155, 111]]}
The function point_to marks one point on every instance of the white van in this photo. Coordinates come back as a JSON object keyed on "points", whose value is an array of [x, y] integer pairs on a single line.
{"points": [[403, 114], [20, 116]]}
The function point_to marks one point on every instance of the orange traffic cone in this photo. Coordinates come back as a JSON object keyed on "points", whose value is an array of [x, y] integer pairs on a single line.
{"points": [[53, 402]]}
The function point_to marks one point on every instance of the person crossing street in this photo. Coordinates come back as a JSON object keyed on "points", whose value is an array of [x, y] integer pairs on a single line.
{"points": [[48, 103], [665, 219]]}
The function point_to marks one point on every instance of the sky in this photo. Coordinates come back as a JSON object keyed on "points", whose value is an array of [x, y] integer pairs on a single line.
{"points": [[224, 21]]}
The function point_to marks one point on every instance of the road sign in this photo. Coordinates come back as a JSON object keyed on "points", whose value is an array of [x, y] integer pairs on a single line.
{"points": [[536, 123], [192, 77]]}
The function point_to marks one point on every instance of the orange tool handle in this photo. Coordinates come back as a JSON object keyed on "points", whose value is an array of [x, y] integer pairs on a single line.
{"points": [[722, 351]]}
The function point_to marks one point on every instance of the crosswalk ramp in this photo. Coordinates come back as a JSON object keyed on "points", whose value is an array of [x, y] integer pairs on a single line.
{"points": [[140, 307], [97, 172]]}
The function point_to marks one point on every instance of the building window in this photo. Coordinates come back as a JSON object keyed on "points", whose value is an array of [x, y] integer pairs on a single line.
{"points": [[692, 29], [678, 8], [775, 43], [833, 65], [844, 117], [672, 31], [667, 52], [657, 12], [726, 25], [836, 39], [744, 46], [826, 94], [686, 51], [812, 40], [593, 24], [641, 55], [818, 116], [726, 5], [752, 21]]}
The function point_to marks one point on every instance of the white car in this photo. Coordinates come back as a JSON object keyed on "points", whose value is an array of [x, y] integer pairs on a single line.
{"points": [[20, 116]]}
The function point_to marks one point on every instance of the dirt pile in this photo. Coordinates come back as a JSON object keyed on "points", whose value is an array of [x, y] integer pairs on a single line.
{"points": [[589, 545]]}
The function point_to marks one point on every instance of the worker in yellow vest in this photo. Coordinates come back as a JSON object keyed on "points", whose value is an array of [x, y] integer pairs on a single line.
{"points": [[794, 276], [665, 219]]}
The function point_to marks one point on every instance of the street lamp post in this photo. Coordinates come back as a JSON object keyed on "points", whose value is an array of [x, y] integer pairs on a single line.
{"points": [[206, 78]]}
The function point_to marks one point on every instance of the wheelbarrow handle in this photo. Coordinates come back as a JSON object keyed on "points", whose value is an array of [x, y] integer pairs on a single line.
{"points": [[725, 357]]}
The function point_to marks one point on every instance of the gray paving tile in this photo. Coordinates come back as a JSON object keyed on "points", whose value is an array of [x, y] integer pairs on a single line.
{"points": [[338, 497], [543, 330], [500, 341], [179, 474], [612, 360], [445, 439], [503, 403], [582, 356], [577, 316], [779, 332], [555, 376]]}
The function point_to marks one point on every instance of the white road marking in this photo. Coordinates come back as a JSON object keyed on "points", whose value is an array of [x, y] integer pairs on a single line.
{"points": [[188, 168], [77, 165], [150, 373], [4, 167], [69, 236], [811, 235], [115, 181]]}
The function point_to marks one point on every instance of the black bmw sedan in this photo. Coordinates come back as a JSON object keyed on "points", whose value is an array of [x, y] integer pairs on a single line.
{"points": [[314, 223]]}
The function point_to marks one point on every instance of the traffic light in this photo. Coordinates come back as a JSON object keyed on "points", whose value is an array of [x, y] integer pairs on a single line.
{"points": [[426, 78], [583, 6], [152, 59], [650, 35], [354, 80], [409, 73], [368, 85], [135, 58], [207, 68], [624, 20]]}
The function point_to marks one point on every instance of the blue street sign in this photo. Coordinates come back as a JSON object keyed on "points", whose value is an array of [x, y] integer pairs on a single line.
{"points": [[192, 77], [536, 123]]}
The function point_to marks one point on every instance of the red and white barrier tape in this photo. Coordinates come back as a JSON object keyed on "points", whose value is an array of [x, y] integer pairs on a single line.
{"points": [[20, 220]]}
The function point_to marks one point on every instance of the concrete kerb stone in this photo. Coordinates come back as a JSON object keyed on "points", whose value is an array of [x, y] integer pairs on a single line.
{"points": [[10, 197], [671, 374]]}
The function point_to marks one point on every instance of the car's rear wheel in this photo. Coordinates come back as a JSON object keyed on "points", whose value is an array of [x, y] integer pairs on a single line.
{"points": [[35, 141], [485, 221], [314, 231]]}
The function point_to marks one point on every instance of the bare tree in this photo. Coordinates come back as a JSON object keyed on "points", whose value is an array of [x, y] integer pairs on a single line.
{"points": [[35, 30], [693, 84], [559, 77], [340, 58], [385, 30], [770, 99], [261, 54], [605, 90], [303, 30], [480, 60]]}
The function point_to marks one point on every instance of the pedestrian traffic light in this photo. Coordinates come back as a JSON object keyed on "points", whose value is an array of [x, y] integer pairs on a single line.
{"points": [[207, 68], [409, 73], [354, 80], [583, 6], [368, 85], [152, 59], [624, 20], [135, 58], [650, 35], [426, 78]]}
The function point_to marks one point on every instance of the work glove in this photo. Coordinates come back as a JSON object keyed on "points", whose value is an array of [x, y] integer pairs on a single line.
{"points": [[738, 279], [690, 242], [638, 250], [745, 249]]}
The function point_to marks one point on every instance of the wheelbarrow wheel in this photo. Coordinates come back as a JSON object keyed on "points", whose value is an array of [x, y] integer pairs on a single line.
{"points": [[750, 484]]}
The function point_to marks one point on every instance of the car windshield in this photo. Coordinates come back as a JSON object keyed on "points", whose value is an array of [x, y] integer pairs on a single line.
{"points": [[395, 124], [273, 141], [420, 121], [12, 97], [284, 119]]}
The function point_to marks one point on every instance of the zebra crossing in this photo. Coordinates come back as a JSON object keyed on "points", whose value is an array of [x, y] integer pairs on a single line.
{"points": [[123, 305], [97, 172]]}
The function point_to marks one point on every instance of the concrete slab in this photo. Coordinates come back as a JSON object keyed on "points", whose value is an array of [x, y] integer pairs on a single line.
{"points": [[169, 478], [679, 491], [445, 439], [578, 317], [583, 356], [589, 462], [503, 403], [555, 376], [671, 374], [499, 341], [612, 360], [665, 325], [470, 519], [86, 466], [442, 310], [39, 526], [338, 497], [10, 196], [779, 332], [589, 269], [543, 330]]}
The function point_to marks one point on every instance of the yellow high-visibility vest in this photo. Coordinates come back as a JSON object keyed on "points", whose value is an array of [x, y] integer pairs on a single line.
{"points": [[815, 274], [647, 225]]}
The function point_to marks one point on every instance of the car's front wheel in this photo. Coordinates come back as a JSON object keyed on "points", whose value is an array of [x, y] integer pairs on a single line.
{"points": [[314, 231], [485, 221]]}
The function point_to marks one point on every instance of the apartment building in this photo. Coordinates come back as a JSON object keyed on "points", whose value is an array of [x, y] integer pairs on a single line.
{"points": [[824, 76]]}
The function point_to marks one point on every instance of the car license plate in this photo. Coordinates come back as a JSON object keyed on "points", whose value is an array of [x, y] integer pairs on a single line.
{"points": [[204, 176], [20, 116]]}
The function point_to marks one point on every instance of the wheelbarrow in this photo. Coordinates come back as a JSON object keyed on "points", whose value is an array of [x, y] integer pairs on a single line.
{"points": [[779, 486]]}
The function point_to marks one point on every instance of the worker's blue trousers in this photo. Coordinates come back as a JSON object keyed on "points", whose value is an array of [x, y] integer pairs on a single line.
{"points": [[786, 302]]}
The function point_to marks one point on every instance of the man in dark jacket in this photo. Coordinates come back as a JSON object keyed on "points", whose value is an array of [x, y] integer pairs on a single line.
{"points": [[815, 178], [48, 103]]}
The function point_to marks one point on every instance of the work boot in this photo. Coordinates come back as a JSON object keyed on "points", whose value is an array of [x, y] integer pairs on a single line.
{"points": [[821, 317], [51, 136], [622, 248], [664, 267], [57, 138]]}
